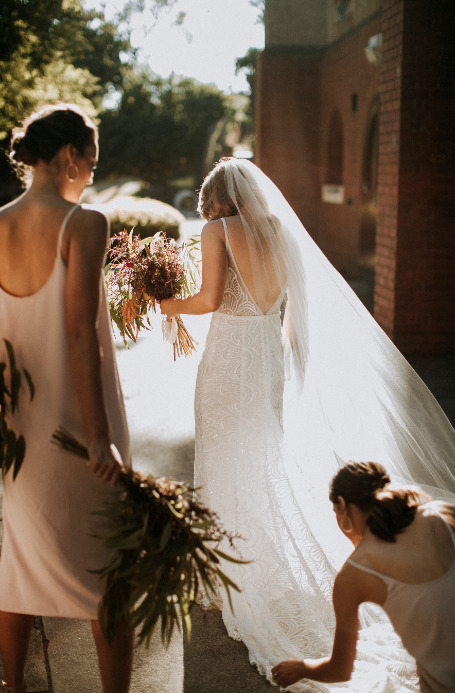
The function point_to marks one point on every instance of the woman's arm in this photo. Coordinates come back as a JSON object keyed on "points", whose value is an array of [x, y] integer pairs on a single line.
{"points": [[214, 273], [352, 587], [85, 250]]}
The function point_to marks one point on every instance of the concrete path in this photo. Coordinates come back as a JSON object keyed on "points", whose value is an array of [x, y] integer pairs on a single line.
{"points": [[159, 402]]}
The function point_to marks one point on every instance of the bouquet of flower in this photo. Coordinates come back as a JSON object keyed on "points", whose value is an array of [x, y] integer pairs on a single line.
{"points": [[161, 542], [12, 447], [142, 272]]}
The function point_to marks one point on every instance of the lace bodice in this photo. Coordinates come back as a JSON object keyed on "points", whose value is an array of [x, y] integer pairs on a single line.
{"points": [[237, 300]]}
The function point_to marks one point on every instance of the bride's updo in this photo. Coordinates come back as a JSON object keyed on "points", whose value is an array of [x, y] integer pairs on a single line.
{"points": [[45, 132], [214, 200], [390, 507]]}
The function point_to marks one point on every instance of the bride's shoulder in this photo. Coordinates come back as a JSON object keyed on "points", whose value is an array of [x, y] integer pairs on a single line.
{"points": [[213, 229]]}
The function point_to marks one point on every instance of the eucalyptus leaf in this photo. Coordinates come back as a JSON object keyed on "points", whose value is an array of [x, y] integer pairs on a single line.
{"points": [[19, 455], [30, 384]]}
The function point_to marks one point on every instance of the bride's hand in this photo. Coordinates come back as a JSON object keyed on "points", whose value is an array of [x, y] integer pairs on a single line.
{"points": [[286, 673], [168, 308], [105, 461]]}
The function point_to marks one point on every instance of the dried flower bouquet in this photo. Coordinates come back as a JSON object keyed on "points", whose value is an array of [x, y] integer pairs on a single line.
{"points": [[142, 272], [164, 549]]}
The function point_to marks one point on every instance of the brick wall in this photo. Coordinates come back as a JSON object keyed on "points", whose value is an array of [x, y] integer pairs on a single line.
{"points": [[345, 71], [288, 127], [415, 272], [389, 163], [298, 90]]}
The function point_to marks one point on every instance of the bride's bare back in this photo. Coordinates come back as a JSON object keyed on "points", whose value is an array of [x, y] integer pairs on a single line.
{"points": [[264, 275]]}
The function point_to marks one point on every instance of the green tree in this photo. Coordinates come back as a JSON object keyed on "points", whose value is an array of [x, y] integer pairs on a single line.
{"points": [[161, 128], [249, 63], [42, 40]]}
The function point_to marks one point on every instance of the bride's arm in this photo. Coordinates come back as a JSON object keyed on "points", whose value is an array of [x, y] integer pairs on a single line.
{"points": [[214, 274]]}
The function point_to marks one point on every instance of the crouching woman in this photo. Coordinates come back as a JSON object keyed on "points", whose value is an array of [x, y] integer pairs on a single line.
{"points": [[404, 560]]}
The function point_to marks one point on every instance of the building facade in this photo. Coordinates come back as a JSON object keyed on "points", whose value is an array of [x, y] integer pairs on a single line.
{"points": [[356, 125]]}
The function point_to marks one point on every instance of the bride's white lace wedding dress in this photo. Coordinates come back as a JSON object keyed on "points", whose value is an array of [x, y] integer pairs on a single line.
{"points": [[267, 448], [284, 610]]}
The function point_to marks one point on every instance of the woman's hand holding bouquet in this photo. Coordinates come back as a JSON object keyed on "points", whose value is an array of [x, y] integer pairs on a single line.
{"points": [[142, 273]]}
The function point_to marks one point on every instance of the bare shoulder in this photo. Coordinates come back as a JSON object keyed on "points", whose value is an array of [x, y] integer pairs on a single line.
{"points": [[88, 226], [347, 586], [9, 209], [213, 228], [212, 236], [446, 510], [357, 585], [91, 218]]}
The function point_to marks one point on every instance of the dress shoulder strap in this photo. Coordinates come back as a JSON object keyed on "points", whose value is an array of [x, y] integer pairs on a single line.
{"points": [[226, 234], [369, 570], [63, 227]]}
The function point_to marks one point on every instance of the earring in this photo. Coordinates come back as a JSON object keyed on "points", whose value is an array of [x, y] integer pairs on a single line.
{"points": [[343, 529], [71, 178]]}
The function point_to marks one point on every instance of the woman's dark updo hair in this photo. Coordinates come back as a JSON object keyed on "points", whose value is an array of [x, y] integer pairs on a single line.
{"points": [[367, 485], [45, 132]]}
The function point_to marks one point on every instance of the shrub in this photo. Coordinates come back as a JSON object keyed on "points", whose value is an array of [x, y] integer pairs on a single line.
{"points": [[146, 215]]}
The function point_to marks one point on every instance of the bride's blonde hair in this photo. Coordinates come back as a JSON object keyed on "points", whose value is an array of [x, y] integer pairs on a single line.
{"points": [[214, 200]]}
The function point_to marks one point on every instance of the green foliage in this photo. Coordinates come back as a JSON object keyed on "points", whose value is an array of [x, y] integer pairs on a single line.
{"points": [[161, 128], [163, 547], [55, 50], [249, 63], [12, 447]]}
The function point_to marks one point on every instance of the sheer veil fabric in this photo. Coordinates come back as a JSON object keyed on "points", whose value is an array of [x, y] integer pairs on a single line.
{"points": [[266, 449]]}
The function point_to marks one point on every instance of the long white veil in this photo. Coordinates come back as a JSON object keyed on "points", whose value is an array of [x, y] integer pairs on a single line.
{"points": [[372, 403], [352, 395]]}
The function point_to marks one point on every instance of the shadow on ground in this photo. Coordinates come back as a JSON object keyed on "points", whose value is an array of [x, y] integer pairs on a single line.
{"points": [[164, 457], [217, 663]]}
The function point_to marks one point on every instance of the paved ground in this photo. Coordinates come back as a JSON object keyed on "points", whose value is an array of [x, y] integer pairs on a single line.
{"points": [[159, 401]]}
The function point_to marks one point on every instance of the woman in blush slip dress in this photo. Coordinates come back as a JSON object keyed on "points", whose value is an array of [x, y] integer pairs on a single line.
{"points": [[53, 311], [404, 560], [267, 446]]}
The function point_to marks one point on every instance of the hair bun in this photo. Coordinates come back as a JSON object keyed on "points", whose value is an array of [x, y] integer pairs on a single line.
{"points": [[22, 150], [45, 132]]}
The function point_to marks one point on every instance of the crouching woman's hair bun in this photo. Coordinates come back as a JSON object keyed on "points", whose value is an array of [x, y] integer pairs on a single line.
{"points": [[390, 507], [45, 132]]}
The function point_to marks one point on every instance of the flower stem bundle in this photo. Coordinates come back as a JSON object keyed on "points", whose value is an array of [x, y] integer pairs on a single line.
{"points": [[164, 550], [141, 273]]}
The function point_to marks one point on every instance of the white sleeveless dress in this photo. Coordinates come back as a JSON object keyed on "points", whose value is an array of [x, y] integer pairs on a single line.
{"points": [[285, 608], [47, 511]]}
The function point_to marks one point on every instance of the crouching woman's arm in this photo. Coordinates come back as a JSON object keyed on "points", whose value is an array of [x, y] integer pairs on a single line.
{"points": [[347, 596]]}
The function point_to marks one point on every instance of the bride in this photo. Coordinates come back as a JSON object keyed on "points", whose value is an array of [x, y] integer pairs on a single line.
{"points": [[267, 446]]}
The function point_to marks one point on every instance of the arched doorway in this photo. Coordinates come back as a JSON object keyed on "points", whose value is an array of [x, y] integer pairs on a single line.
{"points": [[370, 190]]}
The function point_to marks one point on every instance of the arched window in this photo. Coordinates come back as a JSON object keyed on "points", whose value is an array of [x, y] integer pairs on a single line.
{"points": [[335, 151]]}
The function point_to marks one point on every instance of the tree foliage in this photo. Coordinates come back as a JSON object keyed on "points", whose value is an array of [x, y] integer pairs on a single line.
{"points": [[55, 50], [249, 63], [160, 129]]}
